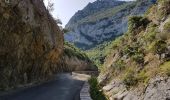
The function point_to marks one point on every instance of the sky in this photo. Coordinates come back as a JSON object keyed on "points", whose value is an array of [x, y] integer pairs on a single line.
{"points": [[65, 9]]}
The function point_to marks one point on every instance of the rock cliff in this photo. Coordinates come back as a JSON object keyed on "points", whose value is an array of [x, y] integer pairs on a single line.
{"points": [[103, 20], [30, 42], [32, 45]]}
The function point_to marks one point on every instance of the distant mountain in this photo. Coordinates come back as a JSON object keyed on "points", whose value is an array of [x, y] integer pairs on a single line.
{"points": [[92, 8], [102, 20]]}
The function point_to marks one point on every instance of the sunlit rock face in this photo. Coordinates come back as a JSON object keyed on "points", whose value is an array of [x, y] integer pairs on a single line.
{"points": [[103, 20], [30, 42], [157, 85]]}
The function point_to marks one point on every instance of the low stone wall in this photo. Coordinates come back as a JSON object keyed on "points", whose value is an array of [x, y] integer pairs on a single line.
{"points": [[90, 73], [85, 92]]}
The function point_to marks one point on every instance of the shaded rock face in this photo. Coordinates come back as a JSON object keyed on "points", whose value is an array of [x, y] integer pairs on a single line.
{"points": [[87, 32], [30, 42]]}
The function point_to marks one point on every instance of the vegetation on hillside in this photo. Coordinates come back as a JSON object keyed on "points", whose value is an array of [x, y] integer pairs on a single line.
{"points": [[95, 90], [73, 59], [99, 53], [71, 51], [106, 13], [143, 52]]}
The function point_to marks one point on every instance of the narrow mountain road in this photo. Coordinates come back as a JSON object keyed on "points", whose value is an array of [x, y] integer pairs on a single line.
{"points": [[64, 87]]}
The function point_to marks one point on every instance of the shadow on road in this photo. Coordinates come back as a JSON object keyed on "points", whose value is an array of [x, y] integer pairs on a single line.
{"points": [[64, 87]]}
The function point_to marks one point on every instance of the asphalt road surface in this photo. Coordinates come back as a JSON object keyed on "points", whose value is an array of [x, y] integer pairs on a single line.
{"points": [[64, 87]]}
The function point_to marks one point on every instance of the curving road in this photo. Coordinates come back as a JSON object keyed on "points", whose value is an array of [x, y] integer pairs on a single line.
{"points": [[64, 87]]}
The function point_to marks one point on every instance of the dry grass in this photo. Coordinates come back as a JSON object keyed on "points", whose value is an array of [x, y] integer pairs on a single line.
{"points": [[165, 68]]}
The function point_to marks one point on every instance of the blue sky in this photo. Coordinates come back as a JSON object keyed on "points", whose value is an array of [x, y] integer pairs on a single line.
{"points": [[65, 9]]}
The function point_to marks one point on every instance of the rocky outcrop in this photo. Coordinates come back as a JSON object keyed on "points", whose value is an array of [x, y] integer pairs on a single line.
{"points": [[90, 27], [30, 42], [157, 89]]}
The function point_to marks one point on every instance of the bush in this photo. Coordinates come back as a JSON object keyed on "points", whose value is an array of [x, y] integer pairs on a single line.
{"points": [[167, 26], [151, 36], [130, 79], [95, 92], [128, 50], [119, 65], [139, 58], [151, 33], [135, 52], [135, 22], [70, 50], [160, 47], [143, 77]]}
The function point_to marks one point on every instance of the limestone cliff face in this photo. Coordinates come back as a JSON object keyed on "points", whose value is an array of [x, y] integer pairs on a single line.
{"points": [[30, 42], [103, 20]]}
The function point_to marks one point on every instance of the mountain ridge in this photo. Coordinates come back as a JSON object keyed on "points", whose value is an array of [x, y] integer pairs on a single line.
{"points": [[104, 25], [91, 8]]}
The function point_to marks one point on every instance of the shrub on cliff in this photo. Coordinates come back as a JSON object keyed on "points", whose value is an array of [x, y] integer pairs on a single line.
{"points": [[135, 52], [95, 90], [130, 79], [167, 26], [151, 33], [119, 65], [160, 47], [136, 23], [139, 58]]}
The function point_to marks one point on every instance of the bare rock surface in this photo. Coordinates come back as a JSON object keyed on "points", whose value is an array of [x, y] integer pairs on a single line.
{"points": [[30, 42], [157, 89]]}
